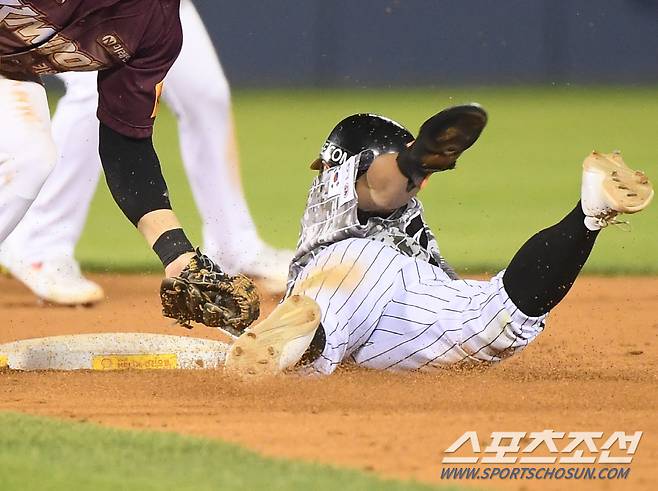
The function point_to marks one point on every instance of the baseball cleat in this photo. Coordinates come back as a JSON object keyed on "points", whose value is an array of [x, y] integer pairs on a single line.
{"points": [[58, 281], [277, 343], [610, 187]]}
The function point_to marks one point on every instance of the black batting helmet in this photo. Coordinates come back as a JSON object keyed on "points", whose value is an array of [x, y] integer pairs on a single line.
{"points": [[360, 132]]}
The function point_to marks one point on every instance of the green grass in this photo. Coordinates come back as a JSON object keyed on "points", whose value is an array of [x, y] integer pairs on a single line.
{"points": [[523, 175], [43, 454]]}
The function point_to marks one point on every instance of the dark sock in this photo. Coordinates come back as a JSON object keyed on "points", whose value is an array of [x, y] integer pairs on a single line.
{"points": [[545, 268]]}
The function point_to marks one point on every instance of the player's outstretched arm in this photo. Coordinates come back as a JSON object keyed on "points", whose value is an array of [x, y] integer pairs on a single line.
{"points": [[132, 172], [195, 288], [394, 178]]}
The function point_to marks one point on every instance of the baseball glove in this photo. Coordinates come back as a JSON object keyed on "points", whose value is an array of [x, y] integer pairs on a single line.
{"points": [[440, 142], [204, 293]]}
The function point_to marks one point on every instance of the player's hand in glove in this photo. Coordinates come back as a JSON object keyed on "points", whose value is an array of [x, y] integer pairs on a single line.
{"points": [[440, 142], [204, 293]]}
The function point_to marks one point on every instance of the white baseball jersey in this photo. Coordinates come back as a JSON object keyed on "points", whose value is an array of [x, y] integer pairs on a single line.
{"points": [[388, 299]]}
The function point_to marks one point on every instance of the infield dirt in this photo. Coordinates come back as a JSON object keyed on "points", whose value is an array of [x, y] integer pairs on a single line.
{"points": [[593, 369]]}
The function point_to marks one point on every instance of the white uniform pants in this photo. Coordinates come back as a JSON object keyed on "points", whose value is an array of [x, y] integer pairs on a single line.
{"points": [[27, 151], [384, 310]]}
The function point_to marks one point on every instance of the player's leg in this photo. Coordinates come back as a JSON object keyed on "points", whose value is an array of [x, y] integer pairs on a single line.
{"points": [[384, 310], [543, 271], [40, 251], [433, 321], [198, 92], [387, 311], [488, 321], [27, 151], [545, 268]]}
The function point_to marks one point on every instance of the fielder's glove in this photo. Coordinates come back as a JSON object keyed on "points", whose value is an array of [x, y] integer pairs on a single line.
{"points": [[204, 293], [441, 140]]}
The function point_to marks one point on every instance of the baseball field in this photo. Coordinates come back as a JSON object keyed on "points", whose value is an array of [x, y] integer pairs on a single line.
{"points": [[593, 369]]}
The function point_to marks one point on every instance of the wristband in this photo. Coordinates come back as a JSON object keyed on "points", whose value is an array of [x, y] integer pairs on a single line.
{"points": [[171, 245]]}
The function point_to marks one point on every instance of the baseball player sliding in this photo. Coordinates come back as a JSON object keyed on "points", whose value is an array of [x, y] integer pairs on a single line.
{"points": [[40, 251], [132, 44], [368, 284]]}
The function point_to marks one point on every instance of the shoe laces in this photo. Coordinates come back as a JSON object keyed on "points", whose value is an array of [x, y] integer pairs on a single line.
{"points": [[611, 219]]}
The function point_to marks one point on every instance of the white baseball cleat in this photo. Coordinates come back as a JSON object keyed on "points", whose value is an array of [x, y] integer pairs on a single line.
{"points": [[610, 188], [56, 281], [278, 342]]}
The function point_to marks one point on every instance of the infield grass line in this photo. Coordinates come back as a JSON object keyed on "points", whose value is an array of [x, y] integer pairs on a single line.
{"points": [[50, 455]]}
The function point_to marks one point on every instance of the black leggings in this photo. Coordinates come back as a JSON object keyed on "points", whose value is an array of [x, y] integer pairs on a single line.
{"points": [[545, 268]]}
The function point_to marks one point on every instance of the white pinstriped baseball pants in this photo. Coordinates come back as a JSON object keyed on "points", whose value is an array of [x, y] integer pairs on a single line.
{"points": [[387, 311]]}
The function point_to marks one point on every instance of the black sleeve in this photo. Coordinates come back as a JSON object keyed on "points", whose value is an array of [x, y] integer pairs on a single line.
{"points": [[133, 174]]}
